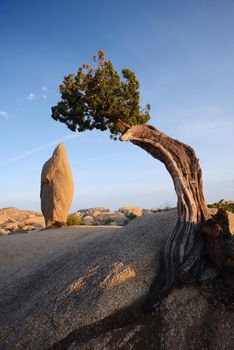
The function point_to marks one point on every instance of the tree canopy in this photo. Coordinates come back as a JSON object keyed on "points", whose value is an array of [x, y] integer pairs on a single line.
{"points": [[99, 98]]}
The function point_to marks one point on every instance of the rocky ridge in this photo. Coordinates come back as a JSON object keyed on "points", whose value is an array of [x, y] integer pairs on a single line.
{"points": [[13, 220]]}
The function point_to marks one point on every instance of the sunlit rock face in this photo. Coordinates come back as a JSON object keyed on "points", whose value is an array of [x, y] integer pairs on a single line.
{"points": [[57, 188]]}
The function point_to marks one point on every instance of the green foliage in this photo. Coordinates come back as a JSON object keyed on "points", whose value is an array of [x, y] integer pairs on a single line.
{"points": [[96, 98], [73, 220], [109, 220], [226, 206]]}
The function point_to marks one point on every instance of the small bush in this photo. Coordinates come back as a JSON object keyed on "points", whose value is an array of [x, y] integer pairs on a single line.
{"points": [[109, 220], [228, 207], [73, 220]]}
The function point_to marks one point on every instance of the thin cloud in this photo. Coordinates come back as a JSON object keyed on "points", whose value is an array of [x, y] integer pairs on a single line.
{"points": [[38, 149], [31, 96], [44, 96], [3, 114], [44, 88]]}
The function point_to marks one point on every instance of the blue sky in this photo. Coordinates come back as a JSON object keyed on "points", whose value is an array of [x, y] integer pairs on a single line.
{"points": [[182, 52]]}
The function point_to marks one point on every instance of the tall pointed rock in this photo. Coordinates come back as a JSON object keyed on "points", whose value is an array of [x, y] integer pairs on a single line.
{"points": [[57, 188]]}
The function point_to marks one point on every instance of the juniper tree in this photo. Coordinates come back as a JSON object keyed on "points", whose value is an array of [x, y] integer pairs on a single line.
{"points": [[99, 98]]}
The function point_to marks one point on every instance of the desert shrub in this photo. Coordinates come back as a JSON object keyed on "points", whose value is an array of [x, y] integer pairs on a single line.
{"points": [[73, 220], [109, 220], [94, 223], [228, 206], [214, 205]]}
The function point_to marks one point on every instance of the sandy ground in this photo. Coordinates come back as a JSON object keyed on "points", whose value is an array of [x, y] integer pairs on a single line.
{"points": [[28, 248]]}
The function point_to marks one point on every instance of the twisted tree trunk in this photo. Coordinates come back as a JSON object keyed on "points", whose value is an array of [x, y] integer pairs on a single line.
{"points": [[184, 257]]}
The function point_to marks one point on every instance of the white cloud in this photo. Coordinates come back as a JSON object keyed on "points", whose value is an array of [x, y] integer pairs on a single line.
{"points": [[31, 96], [39, 148], [44, 96], [3, 114], [44, 88]]}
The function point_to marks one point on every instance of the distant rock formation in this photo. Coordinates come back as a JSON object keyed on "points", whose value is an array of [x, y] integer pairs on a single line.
{"points": [[56, 188], [16, 214], [13, 220], [131, 211]]}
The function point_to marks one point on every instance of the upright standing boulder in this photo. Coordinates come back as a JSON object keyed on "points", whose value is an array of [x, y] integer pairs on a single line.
{"points": [[56, 188]]}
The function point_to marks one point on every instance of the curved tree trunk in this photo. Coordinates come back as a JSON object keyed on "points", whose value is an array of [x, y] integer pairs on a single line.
{"points": [[184, 255]]}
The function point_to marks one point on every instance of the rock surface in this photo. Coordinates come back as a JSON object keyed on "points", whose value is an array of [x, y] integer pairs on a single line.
{"points": [[59, 292], [189, 318], [85, 292], [56, 188]]}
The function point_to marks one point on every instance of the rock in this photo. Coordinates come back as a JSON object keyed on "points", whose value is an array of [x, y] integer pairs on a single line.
{"points": [[120, 219], [213, 211], [105, 218], [87, 220], [10, 221], [56, 188], [12, 213], [4, 232], [91, 211], [97, 212], [131, 211], [11, 226], [231, 221], [28, 228], [36, 221], [190, 320], [18, 230], [186, 319], [82, 283]]}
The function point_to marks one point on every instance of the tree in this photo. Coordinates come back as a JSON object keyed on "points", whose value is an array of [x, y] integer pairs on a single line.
{"points": [[97, 98]]}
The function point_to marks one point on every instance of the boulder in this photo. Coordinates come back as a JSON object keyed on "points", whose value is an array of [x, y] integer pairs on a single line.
{"points": [[213, 211], [120, 219], [82, 283], [105, 218], [87, 220], [10, 226], [131, 211], [36, 221], [231, 221], [56, 188], [4, 232]]}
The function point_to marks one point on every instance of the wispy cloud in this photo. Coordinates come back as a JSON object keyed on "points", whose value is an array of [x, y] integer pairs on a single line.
{"points": [[44, 96], [38, 149], [31, 96], [44, 88], [3, 114]]}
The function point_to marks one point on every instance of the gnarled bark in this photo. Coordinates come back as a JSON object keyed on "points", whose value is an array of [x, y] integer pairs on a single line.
{"points": [[184, 257]]}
